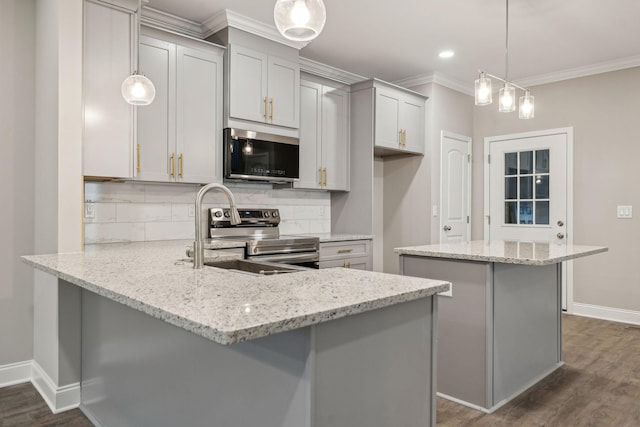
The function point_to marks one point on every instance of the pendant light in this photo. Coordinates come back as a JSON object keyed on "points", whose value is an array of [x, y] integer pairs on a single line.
{"points": [[299, 20], [137, 89], [507, 94]]}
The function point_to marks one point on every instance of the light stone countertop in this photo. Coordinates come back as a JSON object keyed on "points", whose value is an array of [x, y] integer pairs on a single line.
{"points": [[221, 305], [508, 252], [337, 237]]}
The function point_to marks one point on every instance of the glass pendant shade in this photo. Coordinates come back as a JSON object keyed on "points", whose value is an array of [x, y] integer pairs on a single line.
{"points": [[138, 90], [507, 99], [483, 90], [299, 20], [527, 106]]}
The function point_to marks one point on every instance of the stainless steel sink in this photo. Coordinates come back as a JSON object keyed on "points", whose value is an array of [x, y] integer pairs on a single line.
{"points": [[254, 267]]}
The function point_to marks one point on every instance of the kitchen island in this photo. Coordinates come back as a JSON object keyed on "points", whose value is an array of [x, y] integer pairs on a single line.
{"points": [[165, 345], [500, 331]]}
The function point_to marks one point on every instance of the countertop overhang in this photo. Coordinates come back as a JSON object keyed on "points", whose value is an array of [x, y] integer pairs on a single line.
{"points": [[508, 252], [226, 306]]}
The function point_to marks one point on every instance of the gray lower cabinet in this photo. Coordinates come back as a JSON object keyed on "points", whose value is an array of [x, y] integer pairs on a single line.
{"points": [[500, 331], [347, 254]]}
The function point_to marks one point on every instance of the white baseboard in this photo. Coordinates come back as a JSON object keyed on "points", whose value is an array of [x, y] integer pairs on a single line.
{"points": [[15, 373], [59, 399], [607, 313]]}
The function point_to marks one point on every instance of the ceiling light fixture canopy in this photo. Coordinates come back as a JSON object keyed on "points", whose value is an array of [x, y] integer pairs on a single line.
{"points": [[507, 94], [137, 89], [300, 20]]}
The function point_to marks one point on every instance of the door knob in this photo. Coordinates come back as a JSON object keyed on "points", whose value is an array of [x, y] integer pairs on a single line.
{"points": [[447, 228], [560, 236]]}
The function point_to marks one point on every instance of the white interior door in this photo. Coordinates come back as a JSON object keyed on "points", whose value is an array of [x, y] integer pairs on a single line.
{"points": [[455, 184], [529, 187]]}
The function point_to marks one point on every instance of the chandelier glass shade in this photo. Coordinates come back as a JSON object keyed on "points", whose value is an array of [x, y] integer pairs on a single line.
{"points": [[299, 20]]}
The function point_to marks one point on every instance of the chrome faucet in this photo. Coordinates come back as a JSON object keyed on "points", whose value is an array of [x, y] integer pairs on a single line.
{"points": [[198, 246]]}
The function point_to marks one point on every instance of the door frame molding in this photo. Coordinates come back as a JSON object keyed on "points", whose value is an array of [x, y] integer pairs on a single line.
{"points": [[446, 134], [568, 131]]}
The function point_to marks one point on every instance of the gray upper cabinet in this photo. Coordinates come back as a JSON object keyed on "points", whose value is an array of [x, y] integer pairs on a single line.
{"points": [[263, 88], [324, 137], [180, 133], [108, 119], [398, 116]]}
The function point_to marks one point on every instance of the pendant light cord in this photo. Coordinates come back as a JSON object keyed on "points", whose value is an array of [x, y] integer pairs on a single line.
{"points": [[138, 19], [506, 46]]}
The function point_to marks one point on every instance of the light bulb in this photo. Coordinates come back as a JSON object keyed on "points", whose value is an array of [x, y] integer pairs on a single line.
{"points": [[527, 106], [138, 90], [507, 97], [300, 13], [483, 90]]}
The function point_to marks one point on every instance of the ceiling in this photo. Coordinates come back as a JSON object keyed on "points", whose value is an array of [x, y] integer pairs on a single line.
{"points": [[395, 40]]}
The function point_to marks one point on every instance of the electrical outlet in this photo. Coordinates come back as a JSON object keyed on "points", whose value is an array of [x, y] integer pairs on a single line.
{"points": [[448, 293], [192, 211], [625, 212], [89, 210]]}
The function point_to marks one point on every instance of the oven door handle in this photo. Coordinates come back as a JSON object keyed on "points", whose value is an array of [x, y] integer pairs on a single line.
{"points": [[287, 257]]}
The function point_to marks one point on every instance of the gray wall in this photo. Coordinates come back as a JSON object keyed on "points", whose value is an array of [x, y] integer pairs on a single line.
{"points": [[604, 112], [412, 184], [17, 110]]}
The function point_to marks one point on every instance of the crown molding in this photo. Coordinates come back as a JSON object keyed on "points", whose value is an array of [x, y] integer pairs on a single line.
{"points": [[228, 18], [327, 71], [166, 21], [437, 78], [573, 73]]}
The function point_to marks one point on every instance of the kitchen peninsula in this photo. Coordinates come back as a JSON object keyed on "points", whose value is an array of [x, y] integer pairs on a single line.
{"points": [[164, 344], [500, 331]]}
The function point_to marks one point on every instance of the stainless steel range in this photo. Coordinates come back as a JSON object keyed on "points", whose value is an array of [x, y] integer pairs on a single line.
{"points": [[259, 230]]}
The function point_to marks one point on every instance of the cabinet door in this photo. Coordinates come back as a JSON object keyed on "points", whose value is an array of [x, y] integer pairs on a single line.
{"points": [[284, 92], [156, 122], [335, 138], [412, 120], [199, 116], [310, 120], [247, 84], [108, 119], [387, 127]]}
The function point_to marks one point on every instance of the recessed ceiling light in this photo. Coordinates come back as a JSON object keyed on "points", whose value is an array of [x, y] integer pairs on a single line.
{"points": [[446, 54]]}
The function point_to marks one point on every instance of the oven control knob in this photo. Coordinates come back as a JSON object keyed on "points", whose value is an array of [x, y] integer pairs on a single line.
{"points": [[274, 214], [217, 214], [226, 215], [266, 214]]}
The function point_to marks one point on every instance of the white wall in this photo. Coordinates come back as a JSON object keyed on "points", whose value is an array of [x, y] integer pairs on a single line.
{"points": [[604, 112], [17, 115], [127, 211]]}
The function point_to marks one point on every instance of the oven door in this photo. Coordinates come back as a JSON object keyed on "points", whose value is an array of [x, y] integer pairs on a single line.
{"points": [[301, 259], [262, 157]]}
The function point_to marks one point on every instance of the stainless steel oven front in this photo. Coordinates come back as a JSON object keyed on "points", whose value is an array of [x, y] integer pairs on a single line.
{"points": [[261, 157]]}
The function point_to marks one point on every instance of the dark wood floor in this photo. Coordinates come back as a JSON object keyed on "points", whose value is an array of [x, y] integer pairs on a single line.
{"points": [[599, 385]]}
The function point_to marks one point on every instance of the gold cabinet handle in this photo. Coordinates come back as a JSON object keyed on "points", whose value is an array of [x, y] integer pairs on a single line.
{"points": [[265, 109], [400, 140], [346, 265], [173, 165], [345, 251], [325, 177], [320, 176], [271, 109], [404, 138], [180, 165], [138, 161]]}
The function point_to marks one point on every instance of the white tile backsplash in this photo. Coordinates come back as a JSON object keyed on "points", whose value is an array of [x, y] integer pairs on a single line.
{"points": [[128, 211]]}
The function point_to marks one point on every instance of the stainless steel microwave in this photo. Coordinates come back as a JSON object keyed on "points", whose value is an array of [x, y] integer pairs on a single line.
{"points": [[260, 156]]}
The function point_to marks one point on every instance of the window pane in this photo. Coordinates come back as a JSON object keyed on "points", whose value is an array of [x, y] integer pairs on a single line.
{"points": [[510, 216], [510, 163], [526, 187], [542, 186], [526, 213], [542, 161], [542, 213], [511, 188], [526, 162]]}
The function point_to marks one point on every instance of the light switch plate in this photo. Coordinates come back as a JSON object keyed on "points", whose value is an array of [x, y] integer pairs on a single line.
{"points": [[625, 211]]}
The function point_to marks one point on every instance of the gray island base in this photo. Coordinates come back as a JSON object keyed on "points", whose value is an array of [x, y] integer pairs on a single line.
{"points": [[163, 344], [500, 332]]}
